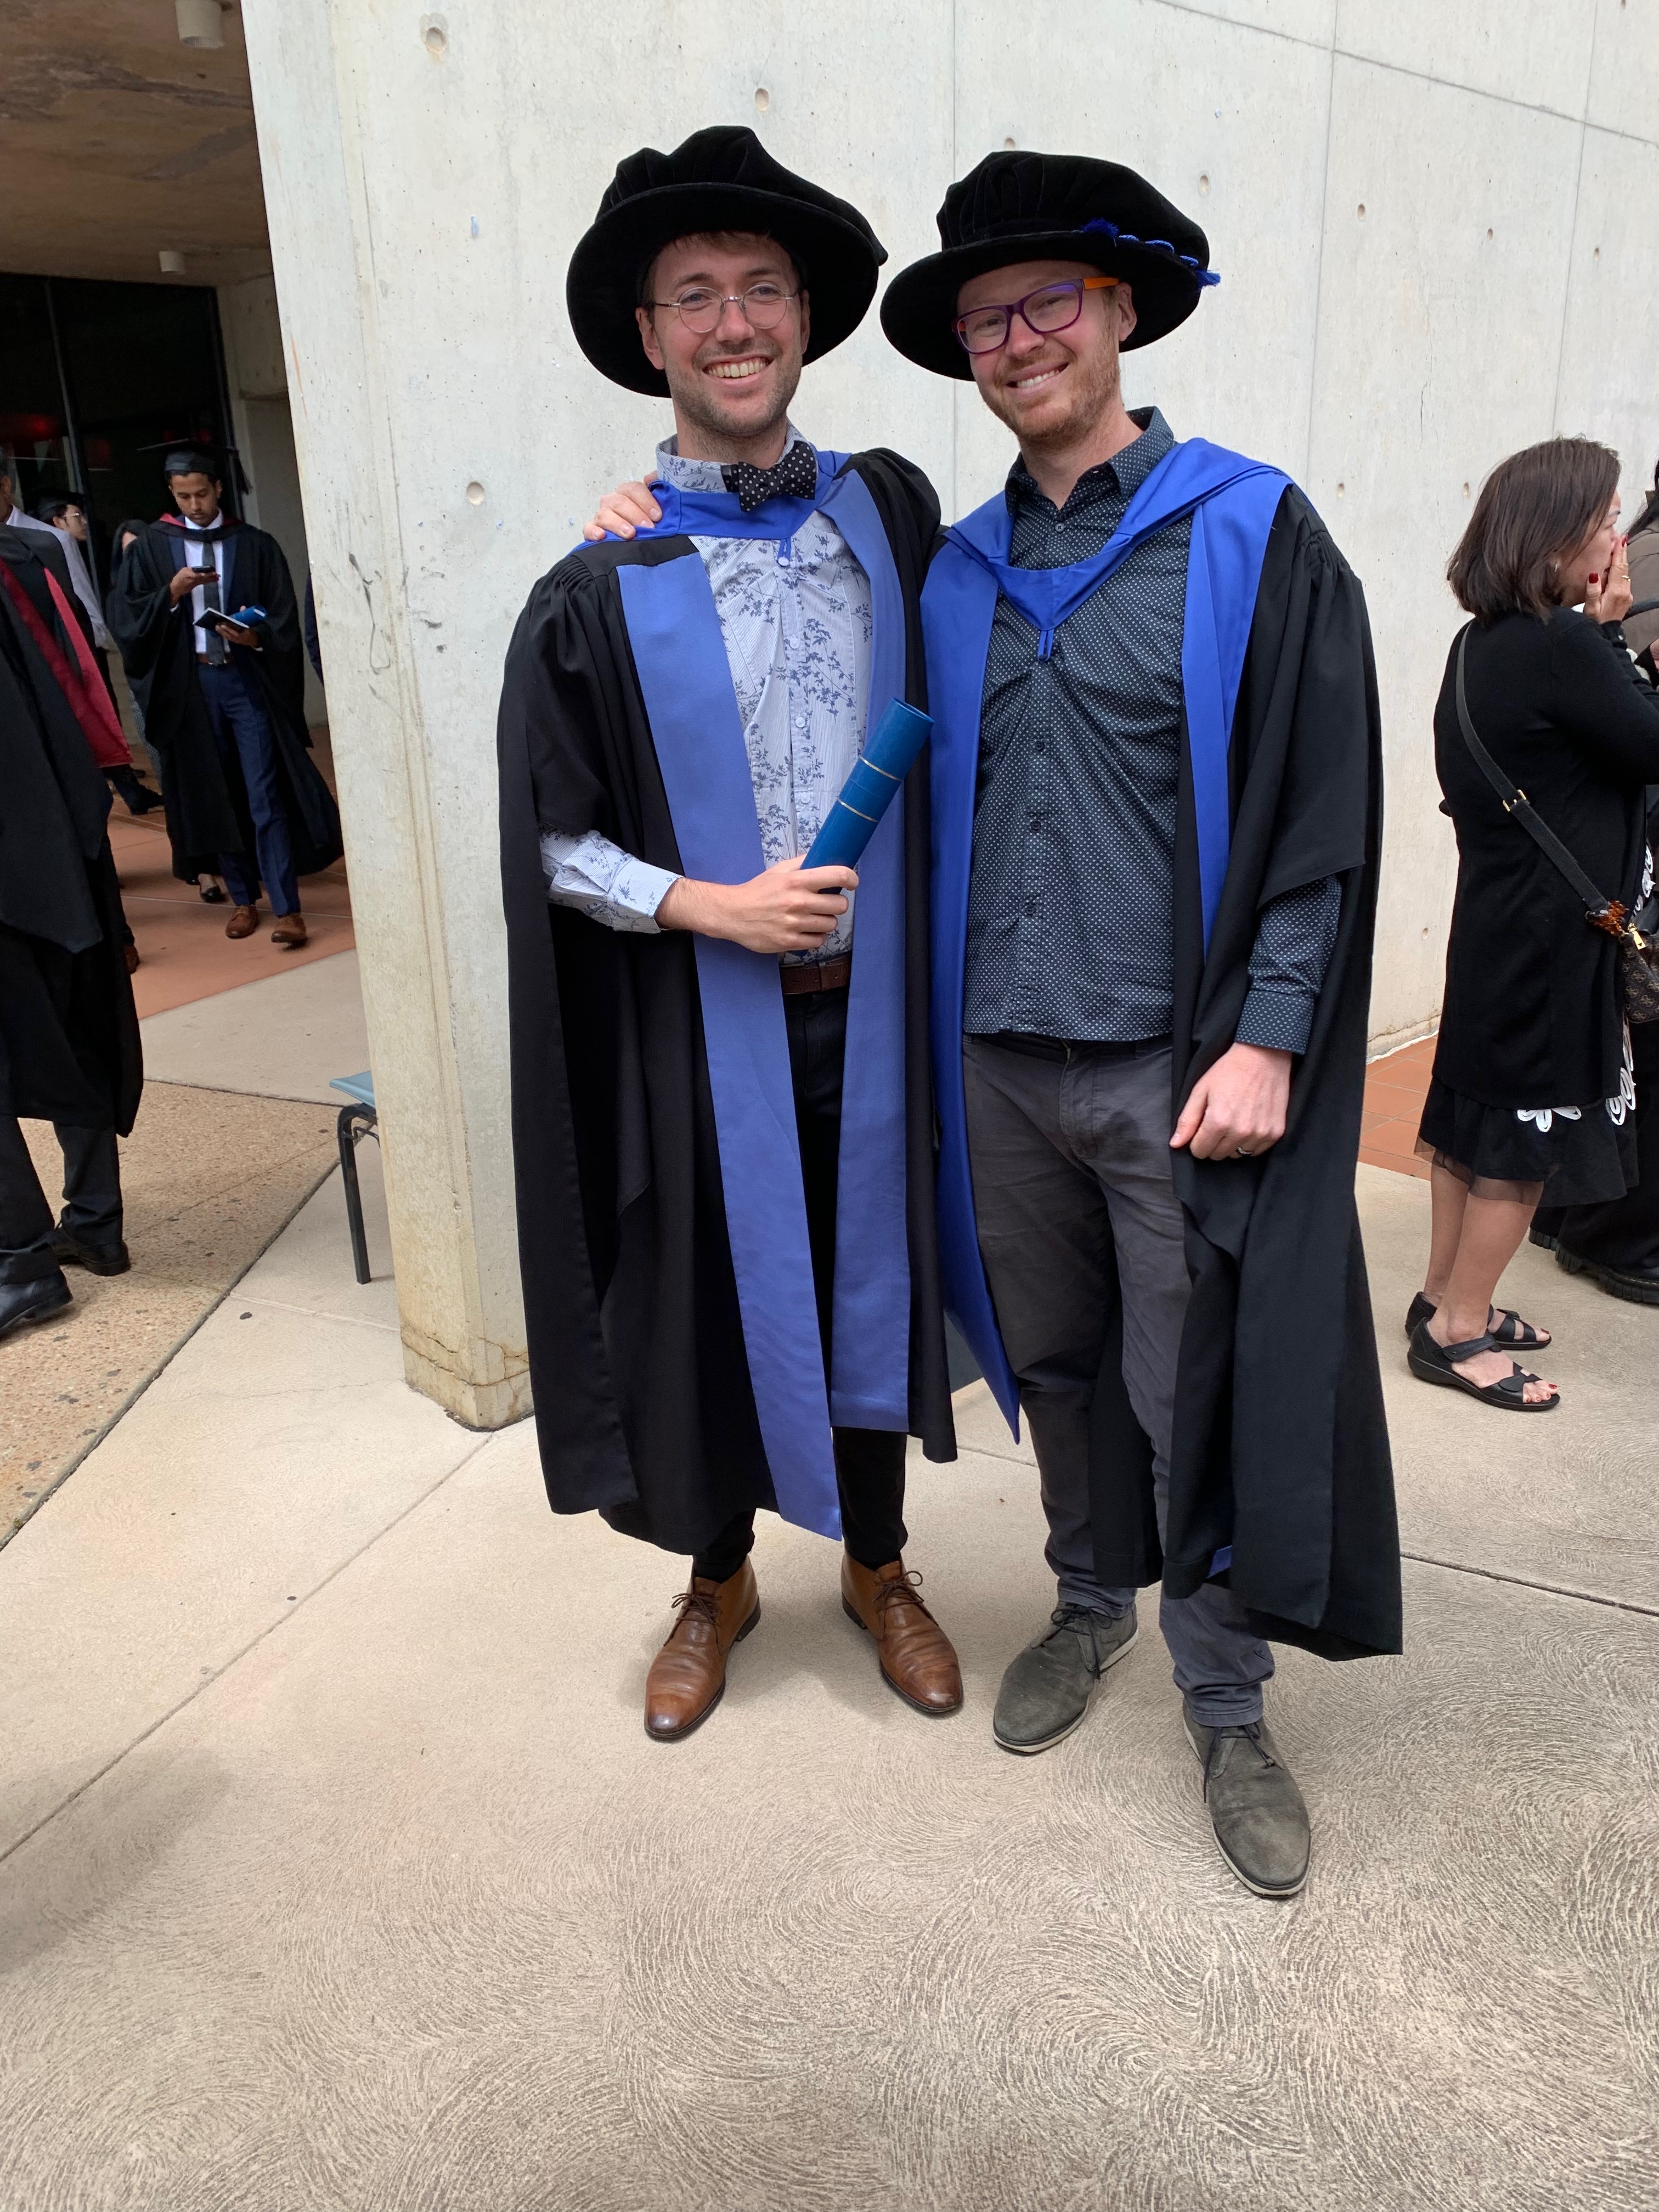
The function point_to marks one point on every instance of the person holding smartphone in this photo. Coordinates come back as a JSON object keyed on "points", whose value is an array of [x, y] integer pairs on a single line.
{"points": [[205, 613]]}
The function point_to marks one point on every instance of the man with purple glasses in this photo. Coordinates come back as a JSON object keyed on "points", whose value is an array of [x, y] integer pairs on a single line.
{"points": [[1157, 782]]}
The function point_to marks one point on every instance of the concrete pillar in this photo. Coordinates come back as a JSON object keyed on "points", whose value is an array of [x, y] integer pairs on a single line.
{"points": [[426, 178], [413, 606]]}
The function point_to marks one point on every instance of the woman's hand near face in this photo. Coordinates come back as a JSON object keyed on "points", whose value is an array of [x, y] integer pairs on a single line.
{"points": [[1607, 596]]}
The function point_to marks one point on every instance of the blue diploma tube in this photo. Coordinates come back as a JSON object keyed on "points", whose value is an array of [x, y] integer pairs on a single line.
{"points": [[869, 791]]}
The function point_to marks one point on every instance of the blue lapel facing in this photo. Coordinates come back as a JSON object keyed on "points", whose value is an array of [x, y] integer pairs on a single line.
{"points": [[870, 1382], [679, 655], [1224, 572], [958, 603], [1232, 502], [1188, 475], [719, 513]]}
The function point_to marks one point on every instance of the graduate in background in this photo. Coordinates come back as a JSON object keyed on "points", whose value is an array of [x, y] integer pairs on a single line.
{"points": [[68, 519], [723, 1119], [224, 706], [68, 1034]]}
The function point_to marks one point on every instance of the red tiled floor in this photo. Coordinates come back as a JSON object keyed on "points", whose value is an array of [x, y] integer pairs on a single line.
{"points": [[1396, 1088], [183, 951]]}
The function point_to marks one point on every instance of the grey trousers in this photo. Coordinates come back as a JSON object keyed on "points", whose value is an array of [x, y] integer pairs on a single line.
{"points": [[1069, 1158]]}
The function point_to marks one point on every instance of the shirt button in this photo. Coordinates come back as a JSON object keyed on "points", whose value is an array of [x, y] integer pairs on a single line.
{"points": [[801, 722]]}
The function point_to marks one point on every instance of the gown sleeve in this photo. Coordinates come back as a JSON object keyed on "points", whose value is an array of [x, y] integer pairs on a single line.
{"points": [[139, 609]]}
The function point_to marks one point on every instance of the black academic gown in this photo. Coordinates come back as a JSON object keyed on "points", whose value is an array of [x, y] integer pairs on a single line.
{"points": [[1280, 1445], [207, 808], [645, 1408], [69, 1032], [1280, 1480]]}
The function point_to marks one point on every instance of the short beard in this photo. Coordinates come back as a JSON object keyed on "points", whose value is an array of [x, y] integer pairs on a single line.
{"points": [[701, 408], [1095, 391]]}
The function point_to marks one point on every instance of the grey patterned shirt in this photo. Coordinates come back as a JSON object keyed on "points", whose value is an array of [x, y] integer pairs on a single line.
{"points": [[1071, 908], [796, 621]]}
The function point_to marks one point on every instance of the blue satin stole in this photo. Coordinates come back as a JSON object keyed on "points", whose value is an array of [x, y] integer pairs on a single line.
{"points": [[685, 681], [1232, 502]]}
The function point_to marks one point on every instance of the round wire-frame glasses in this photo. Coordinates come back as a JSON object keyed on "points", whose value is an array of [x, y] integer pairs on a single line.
{"points": [[700, 307], [1051, 308]]}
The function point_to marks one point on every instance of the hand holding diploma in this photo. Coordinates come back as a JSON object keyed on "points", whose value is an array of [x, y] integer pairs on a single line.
{"points": [[785, 909], [793, 906]]}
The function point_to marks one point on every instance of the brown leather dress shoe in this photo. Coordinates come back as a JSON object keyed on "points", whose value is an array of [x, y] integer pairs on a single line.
{"points": [[244, 921], [688, 1676], [915, 1653], [290, 930]]}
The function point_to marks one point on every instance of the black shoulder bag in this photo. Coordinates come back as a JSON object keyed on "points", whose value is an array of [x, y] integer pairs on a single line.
{"points": [[1638, 935]]}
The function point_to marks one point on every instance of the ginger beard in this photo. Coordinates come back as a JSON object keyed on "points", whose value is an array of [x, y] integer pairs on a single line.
{"points": [[733, 386], [1052, 390]]}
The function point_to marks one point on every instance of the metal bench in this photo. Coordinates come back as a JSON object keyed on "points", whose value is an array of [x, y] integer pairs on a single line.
{"points": [[359, 1119]]}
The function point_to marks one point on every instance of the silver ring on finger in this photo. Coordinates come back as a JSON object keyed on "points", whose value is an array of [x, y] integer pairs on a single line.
{"points": [[1243, 1153]]}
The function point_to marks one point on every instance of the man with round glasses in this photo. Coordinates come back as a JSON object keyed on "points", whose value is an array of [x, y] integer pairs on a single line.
{"points": [[722, 1116], [1156, 786]]}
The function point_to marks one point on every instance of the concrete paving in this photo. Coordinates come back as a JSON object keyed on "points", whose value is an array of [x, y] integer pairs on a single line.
{"points": [[340, 1873], [184, 952], [208, 1181], [284, 1035]]}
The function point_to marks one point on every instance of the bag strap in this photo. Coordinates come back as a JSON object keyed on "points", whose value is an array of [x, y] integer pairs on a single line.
{"points": [[1515, 802]]}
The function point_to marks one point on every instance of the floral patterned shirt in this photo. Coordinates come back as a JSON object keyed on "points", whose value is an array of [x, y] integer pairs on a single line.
{"points": [[796, 621]]}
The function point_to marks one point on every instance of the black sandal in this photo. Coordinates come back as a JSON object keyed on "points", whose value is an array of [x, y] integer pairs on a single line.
{"points": [[1507, 1329], [1437, 1362]]}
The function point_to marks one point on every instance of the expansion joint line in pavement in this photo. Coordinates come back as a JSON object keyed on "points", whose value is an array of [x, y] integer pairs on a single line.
{"points": [[1526, 1581], [236, 1658]]}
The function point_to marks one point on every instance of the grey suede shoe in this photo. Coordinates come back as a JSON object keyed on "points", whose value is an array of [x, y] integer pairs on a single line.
{"points": [[1047, 1690], [1260, 1821]]}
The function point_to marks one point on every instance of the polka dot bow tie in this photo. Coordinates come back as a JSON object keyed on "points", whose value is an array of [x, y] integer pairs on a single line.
{"points": [[796, 476]]}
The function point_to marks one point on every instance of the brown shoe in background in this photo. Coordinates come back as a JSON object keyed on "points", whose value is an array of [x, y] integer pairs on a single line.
{"points": [[290, 930], [914, 1652], [244, 921], [688, 1676]]}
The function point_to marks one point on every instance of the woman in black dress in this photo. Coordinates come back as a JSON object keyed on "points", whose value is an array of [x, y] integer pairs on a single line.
{"points": [[1532, 1097]]}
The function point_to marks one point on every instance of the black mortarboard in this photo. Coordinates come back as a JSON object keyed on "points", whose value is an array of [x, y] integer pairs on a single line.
{"points": [[719, 179], [1041, 207], [188, 461]]}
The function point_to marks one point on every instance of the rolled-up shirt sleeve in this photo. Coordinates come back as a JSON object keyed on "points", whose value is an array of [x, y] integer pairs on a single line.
{"points": [[1294, 941], [587, 871]]}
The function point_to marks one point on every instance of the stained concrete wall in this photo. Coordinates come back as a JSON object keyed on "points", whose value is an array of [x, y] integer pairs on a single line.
{"points": [[1432, 225]]}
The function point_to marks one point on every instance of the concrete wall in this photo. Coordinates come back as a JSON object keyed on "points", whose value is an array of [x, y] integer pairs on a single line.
{"points": [[1432, 225]]}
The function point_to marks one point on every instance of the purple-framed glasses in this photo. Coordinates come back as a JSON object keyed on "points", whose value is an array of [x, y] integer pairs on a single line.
{"points": [[1052, 307]]}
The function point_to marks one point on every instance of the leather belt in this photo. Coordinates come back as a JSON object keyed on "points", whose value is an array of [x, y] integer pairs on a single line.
{"points": [[1047, 1048], [817, 975]]}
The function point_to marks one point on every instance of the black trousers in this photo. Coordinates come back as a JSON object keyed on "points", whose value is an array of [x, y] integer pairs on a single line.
{"points": [[92, 1199], [869, 1463]]}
